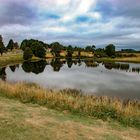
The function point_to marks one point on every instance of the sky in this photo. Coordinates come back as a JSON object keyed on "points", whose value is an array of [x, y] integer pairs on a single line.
{"points": [[75, 22]]}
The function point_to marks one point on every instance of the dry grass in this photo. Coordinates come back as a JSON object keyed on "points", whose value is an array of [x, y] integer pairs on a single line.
{"points": [[33, 122], [129, 59], [133, 59], [75, 54], [49, 55], [83, 54], [127, 112]]}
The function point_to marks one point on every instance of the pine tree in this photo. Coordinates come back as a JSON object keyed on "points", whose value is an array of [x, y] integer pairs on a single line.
{"points": [[10, 45]]}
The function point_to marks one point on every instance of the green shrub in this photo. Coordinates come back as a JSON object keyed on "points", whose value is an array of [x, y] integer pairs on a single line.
{"points": [[28, 54]]}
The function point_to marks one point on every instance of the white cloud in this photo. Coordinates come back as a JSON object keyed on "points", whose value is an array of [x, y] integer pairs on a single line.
{"points": [[54, 29], [95, 15], [81, 7], [15, 28], [71, 21]]}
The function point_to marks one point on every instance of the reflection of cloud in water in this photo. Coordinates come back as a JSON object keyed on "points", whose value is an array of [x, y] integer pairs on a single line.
{"points": [[98, 80]]}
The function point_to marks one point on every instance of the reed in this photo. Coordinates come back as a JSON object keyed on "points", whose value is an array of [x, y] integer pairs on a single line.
{"points": [[126, 112]]}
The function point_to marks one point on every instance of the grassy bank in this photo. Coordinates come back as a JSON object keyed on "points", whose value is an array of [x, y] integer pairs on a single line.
{"points": [[125, 59], [20, 121], [134, 59], [12, 58], [127, 113]]}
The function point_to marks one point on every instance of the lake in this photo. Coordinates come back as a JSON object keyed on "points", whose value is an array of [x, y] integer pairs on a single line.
{"points": [[98, 78]]}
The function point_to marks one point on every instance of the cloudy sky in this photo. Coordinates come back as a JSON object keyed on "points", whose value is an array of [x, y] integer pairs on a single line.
{"points": [[76, 22]]}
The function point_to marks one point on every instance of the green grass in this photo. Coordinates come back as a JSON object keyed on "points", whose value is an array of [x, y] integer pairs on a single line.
{"points": [[11, 58], [28, 121], [126, 113]]}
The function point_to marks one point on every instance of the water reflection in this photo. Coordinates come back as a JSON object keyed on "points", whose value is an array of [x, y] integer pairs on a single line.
{"points": [[56, 64], [136, 69], [119, 66], [34, 67], [69, 62], [91, 63], [13, 68], [3, 74], [101, 78]]}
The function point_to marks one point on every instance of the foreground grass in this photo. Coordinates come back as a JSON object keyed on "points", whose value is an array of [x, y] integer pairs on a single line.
{"points": [[20, 121], [127, 113]]}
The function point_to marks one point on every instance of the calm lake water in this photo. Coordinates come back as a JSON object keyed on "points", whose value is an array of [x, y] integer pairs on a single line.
{"points": [[110, 79]]}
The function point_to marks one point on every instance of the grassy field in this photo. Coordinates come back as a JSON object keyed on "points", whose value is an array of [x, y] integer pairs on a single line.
{"points": [[75, 54], [126, 113], [133, 59], [11, 58], [20, 121]]}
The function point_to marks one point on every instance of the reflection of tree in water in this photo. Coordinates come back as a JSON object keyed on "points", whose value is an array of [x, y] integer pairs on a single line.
{"points": [[69, 62], [79, 62], [136, 69], [109, 65], [56, 64], [35, 67], [13, 68], [90, 63], [75, 62], [17, 65], [3, 74]]}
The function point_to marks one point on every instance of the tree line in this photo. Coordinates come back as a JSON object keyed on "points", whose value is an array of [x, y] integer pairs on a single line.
{"points": [[32, 47], [10, 46]]}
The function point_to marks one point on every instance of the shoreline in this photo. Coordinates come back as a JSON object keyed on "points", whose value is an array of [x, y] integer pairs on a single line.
{"points": [[117, 60], [13, 58]]}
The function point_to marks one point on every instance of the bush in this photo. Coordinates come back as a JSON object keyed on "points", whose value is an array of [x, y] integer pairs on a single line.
{"points": [[28, 54], [39, 50], [110, 50], [37, 47]]}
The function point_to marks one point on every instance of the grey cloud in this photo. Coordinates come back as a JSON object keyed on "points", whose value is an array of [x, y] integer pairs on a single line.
{"points": [[129, 8], [124, 33], [123, 8], [16, 13]]}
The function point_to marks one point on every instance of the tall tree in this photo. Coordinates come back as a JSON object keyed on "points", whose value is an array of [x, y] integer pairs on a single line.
{"points": [[2, 47], [56, 48], [110, 50], [69, 51], [10, 45], [90, 48], [38, 50], [24, 44]]}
